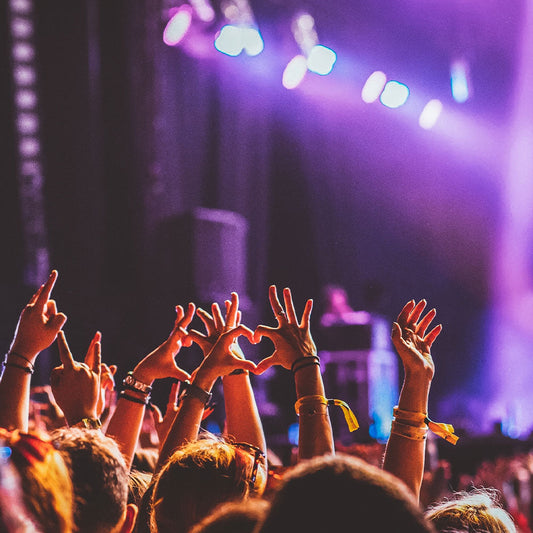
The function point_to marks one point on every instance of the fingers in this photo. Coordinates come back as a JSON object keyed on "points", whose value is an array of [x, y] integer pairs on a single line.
{"points": [[50, 309], [33, 299], [44, 294], [230, 336], [179, 314], [425, 322], [289, 306], [304, 324], [396, 336], [232, 310], [180, 374], [217, 316], [415, 313], [90, 356], [64, 353], [265, 364], [264, 331], [238, 319], [244, 364], [156, 413], [187, 318], [57, 322], [274, 302], [173, 395], [208, 321], [429, 339], [199, 338], [405, 312]]}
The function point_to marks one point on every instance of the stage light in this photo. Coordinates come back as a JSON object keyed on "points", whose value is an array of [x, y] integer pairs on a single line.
{"points": [[27, 123], [203, 10], [21, 6], [24, 75], [459, 79], [252, 41], [178, 25], [394, 95], [26, 99], [294, 72], [430, 114], [321, 59], [373, 86], [21, 28], [29, 147], [23, 52], [230, 40]]}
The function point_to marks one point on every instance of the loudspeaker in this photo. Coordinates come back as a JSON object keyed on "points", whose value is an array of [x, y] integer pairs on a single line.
{"points": [[203, 256]]}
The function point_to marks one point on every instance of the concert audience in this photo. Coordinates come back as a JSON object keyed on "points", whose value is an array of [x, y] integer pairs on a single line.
{"points": [[78, 456]]}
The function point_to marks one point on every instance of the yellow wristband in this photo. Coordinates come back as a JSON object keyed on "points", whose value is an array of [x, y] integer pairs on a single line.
{"points": [[349, 416], [445, 431]]}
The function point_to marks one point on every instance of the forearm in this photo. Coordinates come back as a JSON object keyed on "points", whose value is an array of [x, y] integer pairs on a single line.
{"points": [[15, 399], [187, 423], [15, 387], [404, 457], [315, 435], [242, 416]]}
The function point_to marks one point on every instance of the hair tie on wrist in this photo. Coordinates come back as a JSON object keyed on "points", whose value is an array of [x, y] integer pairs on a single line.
{"points": [[30, 369], [304, 361]]}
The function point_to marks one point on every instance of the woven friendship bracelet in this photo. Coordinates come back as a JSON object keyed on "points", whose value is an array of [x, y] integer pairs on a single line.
{"points": [[409, 432]]}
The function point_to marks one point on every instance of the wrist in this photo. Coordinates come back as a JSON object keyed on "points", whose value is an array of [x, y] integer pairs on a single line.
{"points": [[29, 354], [74, 418], [143, 374]]}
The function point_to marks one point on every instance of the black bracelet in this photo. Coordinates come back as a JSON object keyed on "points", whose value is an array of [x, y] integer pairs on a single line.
{"points": [[144, 401], [305, 361], [26, 369], [304, 365], [194, 391], [21, 357]]}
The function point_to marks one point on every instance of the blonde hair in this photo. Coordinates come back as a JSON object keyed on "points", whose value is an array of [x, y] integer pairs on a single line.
{"points": [[198, 477], [44, 478], [475, 511]]}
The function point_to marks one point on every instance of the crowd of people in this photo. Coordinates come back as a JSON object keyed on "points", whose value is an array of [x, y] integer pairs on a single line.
{"points": [[85, 454]]}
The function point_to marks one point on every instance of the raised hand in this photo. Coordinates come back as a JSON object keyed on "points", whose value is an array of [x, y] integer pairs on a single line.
{"points": [[292, 339], [222, 353], [160, 363], [39, 323], [410, 339], [75, 385], [107, 386]]}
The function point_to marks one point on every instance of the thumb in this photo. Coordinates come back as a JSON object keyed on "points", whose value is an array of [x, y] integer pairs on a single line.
{"points": [[156, 413]]}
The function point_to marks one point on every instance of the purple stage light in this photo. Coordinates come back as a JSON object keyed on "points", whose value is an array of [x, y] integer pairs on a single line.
{"points": [[321, 59], [373, 86], [252, 41], [459, 79], [230, 40], [178, 25], [394, 95], [294, 72], [430, 114]]}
